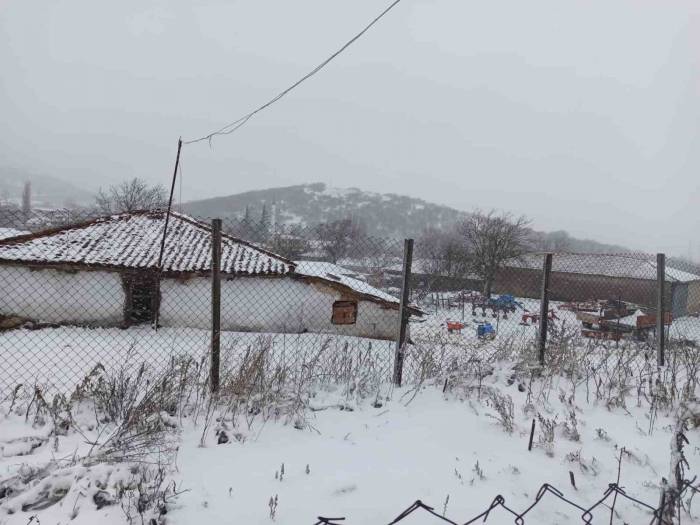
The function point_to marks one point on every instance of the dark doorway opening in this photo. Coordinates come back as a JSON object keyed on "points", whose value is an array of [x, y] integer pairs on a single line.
{"points": [[141, 297]]}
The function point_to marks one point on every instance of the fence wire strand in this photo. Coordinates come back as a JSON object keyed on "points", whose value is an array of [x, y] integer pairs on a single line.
{"points": [[80, 289], [321, 304], [658, 516]]}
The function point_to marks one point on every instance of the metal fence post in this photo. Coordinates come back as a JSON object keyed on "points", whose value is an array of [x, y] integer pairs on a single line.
{"points": [[544, 308], [215, 303], [403, 310], [660, 310]]}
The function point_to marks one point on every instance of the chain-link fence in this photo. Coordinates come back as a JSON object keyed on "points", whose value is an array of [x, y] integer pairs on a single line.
{"points": [[603, 307], [654, 513], [80, 291]]}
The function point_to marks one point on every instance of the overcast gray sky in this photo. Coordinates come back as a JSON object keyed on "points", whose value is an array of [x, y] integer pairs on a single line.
{"points": [[582, 114]]}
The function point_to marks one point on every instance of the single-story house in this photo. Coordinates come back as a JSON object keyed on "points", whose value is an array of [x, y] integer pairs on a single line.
{"points": [[104, 272], [580, 277]]}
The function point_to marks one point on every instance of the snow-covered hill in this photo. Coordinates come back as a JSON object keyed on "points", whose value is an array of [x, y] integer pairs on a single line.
{"points": [[383, 214], [310, 204]]}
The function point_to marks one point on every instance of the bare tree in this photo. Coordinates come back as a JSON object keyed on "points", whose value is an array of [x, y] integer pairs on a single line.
{"points": [[338, 237], [440, 255], [131, 195], [288, 243], [443, 252], [374, 256], [4, 195], [557, 241], [492, 239]]}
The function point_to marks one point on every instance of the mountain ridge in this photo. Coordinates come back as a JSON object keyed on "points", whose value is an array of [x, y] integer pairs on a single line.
{"points": [[382, 214]]}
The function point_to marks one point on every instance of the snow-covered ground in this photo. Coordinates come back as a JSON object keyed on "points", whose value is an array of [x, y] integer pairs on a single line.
{"points": [[58, 358], [321, 408], [367, 459], [27, 448], [369, 464], [509, 327], [512, 327]]}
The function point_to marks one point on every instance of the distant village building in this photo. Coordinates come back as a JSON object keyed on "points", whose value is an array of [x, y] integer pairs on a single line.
{"points": [[579, 277], [425, 276], [105, 273]]}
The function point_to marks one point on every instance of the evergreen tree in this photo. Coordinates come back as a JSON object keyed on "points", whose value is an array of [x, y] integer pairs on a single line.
{"points": [[246, 216], [246, 224], [27, 200], [265, 222]]}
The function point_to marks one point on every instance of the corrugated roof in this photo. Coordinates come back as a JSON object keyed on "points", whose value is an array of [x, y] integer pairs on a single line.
{"points": [[132, 240], [632, 266]]}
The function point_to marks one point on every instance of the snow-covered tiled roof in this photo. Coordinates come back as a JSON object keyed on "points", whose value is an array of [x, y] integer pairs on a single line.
{"points": [[132, 240], [333, 272], [632, 266], [6, 233]]}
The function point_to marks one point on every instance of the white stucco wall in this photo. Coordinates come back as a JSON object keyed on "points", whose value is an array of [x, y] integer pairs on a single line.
{"points": [[269, 305], [87, 297]]}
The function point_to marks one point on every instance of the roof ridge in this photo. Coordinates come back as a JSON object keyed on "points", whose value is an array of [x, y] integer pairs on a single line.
{"points": [[58, 229], [655, 267], [206, 227], [155, 219], [638, 256]]}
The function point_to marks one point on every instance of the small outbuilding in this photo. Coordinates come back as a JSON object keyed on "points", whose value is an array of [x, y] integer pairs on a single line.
{"points": [[105, 272]]}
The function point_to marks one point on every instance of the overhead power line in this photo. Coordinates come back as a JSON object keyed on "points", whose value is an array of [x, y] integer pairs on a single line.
{"points": [[233, 126]]}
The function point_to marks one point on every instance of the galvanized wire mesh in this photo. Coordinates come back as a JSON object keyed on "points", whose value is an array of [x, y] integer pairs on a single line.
{"points": [[79, 290], [89, 292], [604, 306]]}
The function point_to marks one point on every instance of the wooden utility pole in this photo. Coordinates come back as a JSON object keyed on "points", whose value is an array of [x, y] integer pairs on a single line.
{"points": [[403, 310], [660, 309], [159, 269], [215, 303], [544, 307]]}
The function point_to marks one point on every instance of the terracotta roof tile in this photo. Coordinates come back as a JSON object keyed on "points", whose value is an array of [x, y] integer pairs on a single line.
{"points": [[132, 240]]}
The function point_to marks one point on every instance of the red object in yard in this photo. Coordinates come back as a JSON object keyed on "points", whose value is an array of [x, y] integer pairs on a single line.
{"points": [[453, 326], [534, 318]]}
